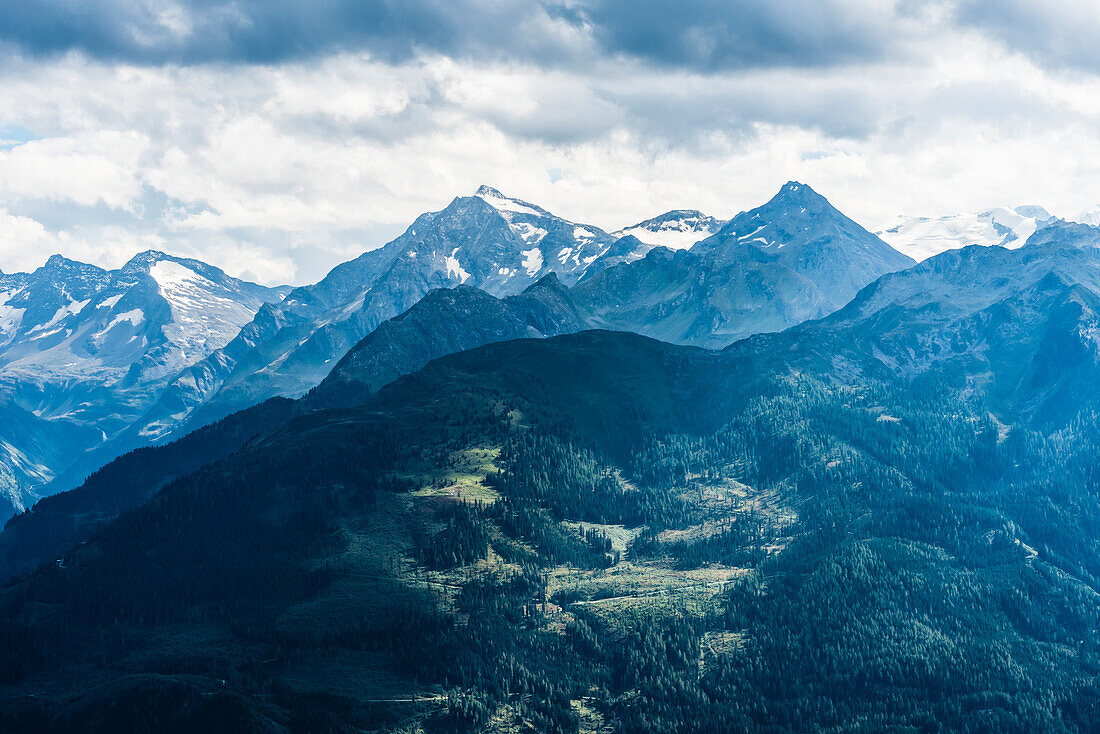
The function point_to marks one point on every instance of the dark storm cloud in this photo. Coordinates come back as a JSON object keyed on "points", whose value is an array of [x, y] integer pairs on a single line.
{"points": [[254, 31], [701, 35], [730, 34], [1062, 35]]}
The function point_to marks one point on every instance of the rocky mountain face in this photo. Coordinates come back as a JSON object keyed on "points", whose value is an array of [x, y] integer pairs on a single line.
{"points": [[488, 241], [1017, 326], [792, 259], [85, 351]]}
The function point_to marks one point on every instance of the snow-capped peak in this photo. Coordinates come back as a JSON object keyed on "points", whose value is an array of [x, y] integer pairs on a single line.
{"points": [[678, 229], [506, 204], [1090, 217], [922, 237], [62, 320]]}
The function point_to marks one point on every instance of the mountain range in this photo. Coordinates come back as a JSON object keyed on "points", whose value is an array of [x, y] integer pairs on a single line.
{"points": [[98, 363], [85, 351], [803, 260], [880, 518], [794, 258]]}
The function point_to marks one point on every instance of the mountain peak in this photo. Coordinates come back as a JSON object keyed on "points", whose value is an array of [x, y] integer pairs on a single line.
{"points": [[796, 213], [796, 191], [142, 261], [58, 262], [149, 256], [677, 229], [511, 206], [674, 216], [548, 281], [806, 234]]}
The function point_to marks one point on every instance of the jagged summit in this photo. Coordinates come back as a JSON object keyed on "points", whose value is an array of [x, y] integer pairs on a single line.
{"points": [[508, 205], [793, 200], [58, 262], [147, 260], [148, 257], [85, 350], [799, 189]]}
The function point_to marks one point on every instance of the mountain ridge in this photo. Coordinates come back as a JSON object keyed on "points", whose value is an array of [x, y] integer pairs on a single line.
{"points": [[86, 348]]}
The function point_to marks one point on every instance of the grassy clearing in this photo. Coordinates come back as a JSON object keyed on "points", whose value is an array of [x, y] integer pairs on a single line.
{"points": [[464, 477]]}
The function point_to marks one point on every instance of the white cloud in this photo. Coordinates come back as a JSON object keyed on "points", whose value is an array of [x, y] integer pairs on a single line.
{"points": [[100, 167], [24, 242], [284, 171]]}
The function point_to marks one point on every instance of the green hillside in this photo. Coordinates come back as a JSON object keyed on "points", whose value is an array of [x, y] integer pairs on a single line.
{"points": [[595, 532]]}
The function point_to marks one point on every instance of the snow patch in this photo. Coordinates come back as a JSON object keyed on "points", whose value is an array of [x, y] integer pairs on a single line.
{"points": [[750, 234], [110, 301], [10, 317], [135, 317], [205, 316], [73, 307], [529, 233], [455, 268], [532, 260]]}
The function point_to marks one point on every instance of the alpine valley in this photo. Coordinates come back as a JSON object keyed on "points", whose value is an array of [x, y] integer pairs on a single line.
{"points": [[513, 473]]}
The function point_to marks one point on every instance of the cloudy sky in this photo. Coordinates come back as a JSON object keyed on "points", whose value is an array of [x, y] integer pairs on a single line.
{"points": [[276, 138]]}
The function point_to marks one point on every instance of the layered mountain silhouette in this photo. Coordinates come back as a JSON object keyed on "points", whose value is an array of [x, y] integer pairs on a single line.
{"points": [[724, 287], [870, 493], [1013, 325]]}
